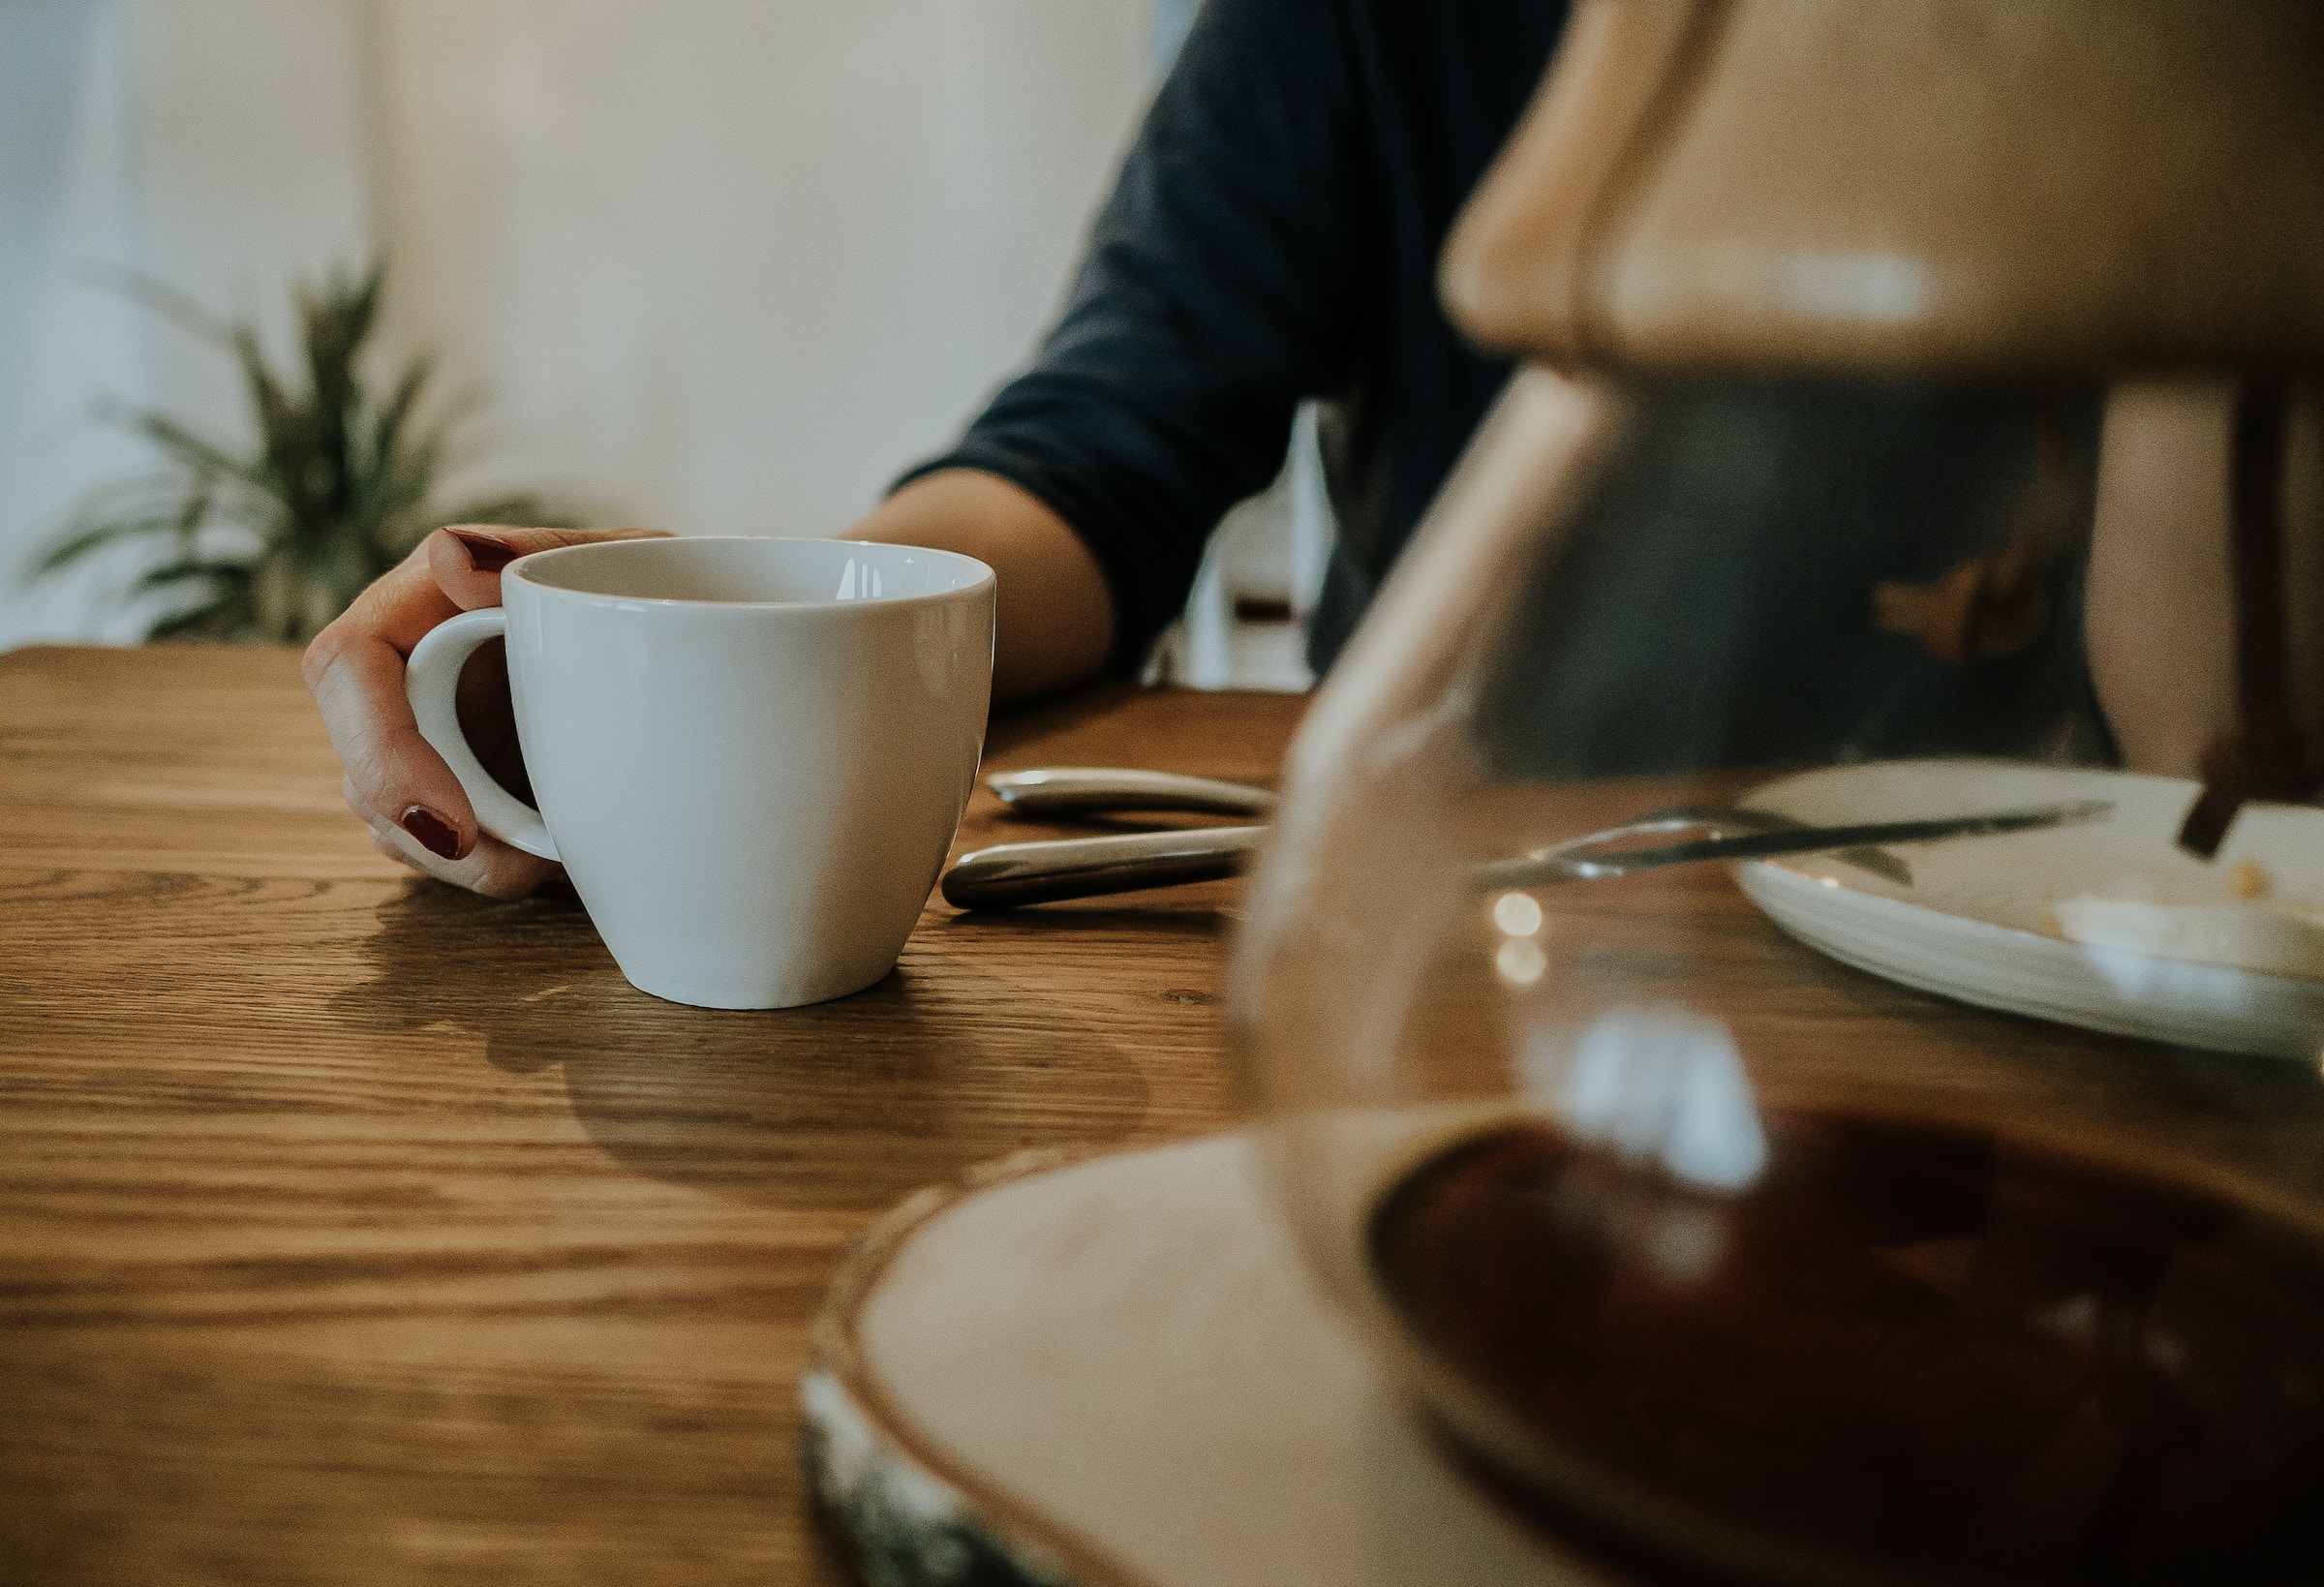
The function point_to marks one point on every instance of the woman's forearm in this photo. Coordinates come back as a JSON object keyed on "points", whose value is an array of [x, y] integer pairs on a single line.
{"points": [[1056, 618]]}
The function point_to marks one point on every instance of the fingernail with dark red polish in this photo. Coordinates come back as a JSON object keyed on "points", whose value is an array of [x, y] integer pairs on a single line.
{"points": [[488, 555], [435, 834]]}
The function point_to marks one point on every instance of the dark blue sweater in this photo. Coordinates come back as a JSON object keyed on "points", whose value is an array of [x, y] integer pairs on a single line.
{"points": [[1275, 235]]}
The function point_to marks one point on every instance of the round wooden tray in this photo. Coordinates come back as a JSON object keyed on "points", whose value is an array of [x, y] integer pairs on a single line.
{"points": [[1116, 1371]]}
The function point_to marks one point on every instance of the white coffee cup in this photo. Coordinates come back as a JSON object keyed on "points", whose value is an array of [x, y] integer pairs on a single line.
{"points": [[751, 755]]}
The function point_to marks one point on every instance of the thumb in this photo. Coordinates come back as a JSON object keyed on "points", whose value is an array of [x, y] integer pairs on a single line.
{"points": [[465, 559]]}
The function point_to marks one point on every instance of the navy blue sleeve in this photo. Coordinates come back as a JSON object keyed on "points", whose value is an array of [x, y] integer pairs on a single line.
{"points": [[1220, 287]]}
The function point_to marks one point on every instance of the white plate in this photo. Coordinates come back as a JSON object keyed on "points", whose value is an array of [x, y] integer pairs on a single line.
{"points": [[1978, 922]]}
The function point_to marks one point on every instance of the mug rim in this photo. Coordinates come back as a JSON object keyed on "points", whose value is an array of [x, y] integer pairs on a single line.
{"points": [[984, 575]]}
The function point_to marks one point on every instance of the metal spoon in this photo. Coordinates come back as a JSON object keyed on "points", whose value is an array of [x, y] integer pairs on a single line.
{"points": [[1062, 791]]}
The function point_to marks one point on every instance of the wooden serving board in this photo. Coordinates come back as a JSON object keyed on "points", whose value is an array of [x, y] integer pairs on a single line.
{"points": [[1116, 1371]]}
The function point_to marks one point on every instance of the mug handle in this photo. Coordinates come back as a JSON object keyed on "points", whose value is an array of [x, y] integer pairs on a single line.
{"points": [[431, 683]]}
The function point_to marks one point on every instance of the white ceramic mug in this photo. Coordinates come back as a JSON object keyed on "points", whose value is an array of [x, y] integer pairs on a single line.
{"points": [[751, 755]]}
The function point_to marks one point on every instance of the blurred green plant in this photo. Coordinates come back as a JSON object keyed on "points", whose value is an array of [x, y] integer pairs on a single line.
{"points": [[266, 548]]}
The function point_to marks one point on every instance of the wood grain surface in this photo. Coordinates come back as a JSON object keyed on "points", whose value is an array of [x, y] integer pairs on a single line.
{"points": [[356, 1229]]}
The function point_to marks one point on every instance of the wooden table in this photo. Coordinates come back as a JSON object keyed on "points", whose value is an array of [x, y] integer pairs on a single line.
{"points": [[356, 1229]]}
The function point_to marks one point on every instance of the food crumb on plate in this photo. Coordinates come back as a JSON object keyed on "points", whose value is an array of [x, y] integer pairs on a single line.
{"points": [[2249, 879]]}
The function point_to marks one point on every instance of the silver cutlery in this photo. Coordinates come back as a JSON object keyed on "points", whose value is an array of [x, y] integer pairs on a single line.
{"points": [[1008, 874], [1091, 790], [1598, 856], [1718, 817], [1065, 791]]}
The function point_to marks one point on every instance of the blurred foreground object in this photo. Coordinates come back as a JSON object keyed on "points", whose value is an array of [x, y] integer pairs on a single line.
{"points": [[1744, 1265], [1683, 1234], [272, 545], [2009, 187]]}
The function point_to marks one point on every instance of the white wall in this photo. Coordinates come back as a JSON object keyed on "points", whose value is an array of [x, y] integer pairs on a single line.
{"points": [[723, 265], [217, 143]]}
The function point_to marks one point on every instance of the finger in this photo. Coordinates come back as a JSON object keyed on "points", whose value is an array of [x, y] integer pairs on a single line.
{"points": [[397, 608], [401, 606], [383, 842], [355, 671], [392, 839], [493, 869], [466, 559], [391, 772], [356, 803]]}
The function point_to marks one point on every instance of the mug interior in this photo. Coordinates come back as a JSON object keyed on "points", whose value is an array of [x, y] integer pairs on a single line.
{"points": [[752, 571]]}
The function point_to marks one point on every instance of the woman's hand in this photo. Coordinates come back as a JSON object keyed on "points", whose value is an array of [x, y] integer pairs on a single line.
{"points": [[1055, 626], [395, 782]]}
